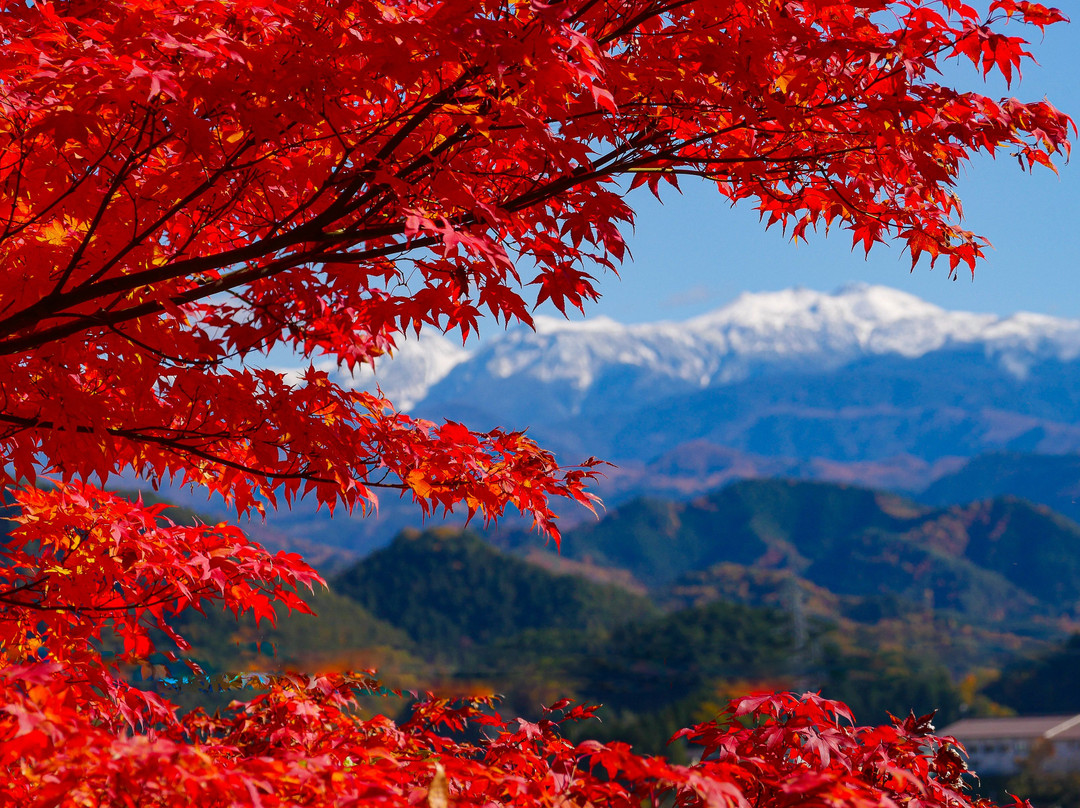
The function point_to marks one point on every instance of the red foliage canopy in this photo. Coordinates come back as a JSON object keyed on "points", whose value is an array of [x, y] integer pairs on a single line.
{"points": [[187, 186], [303, 744]]}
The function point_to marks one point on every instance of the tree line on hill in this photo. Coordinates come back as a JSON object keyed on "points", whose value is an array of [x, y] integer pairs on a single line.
{"points": [[867, 597]]}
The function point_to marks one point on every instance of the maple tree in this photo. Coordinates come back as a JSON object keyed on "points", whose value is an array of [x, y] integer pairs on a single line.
{"points": [[188, 186]]}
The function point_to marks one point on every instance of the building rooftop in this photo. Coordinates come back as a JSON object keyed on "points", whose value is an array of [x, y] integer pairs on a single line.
{"points": [[1045, 726]]}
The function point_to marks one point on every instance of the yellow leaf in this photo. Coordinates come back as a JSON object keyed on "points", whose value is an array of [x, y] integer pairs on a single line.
{"points": [[55, 232], [59, 231], [415, 480], [783, 81], [439, 790]]}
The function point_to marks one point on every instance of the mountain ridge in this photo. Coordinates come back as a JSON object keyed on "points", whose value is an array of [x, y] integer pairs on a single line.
{"points": [[1004, 560], [872, 386], [789, 327]]}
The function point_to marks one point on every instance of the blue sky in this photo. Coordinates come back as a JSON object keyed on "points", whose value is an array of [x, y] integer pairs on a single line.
{"points": [[695, 253]]}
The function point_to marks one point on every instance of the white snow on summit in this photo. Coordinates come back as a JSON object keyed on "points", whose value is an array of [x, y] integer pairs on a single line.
{"points": [[857, 319], [793, 328], [405, 376]]}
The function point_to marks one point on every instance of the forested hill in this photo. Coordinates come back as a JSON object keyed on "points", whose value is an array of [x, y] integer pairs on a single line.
{"points": [[451, 590], [1052, 480], [999, 560], [872, 598], [443, 609]]}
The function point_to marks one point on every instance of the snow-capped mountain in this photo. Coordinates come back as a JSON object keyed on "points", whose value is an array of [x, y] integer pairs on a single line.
{"points": [[867, 385], [406, 375], [795, 329]]}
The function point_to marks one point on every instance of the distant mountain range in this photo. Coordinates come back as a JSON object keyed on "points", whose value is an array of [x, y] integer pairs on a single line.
{"points": [[792, 331], [867, 385], [1002, 562], [797, 382], [855, 491]]}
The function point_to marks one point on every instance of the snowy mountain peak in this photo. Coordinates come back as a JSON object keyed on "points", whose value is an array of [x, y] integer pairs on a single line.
{"points": [[859, 316], [856, 302], [792, 328], [410, 371]]}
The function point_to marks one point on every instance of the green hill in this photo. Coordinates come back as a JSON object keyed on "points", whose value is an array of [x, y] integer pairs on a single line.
{"points": [[450, 591], [1051, 480], [1044, 685], [342, 633], [773, 523], [1004, 561], [1028, 545], [649, 664], [865, 596]]}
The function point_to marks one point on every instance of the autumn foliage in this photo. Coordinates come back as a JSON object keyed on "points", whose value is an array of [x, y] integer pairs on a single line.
{"points": [[187, 186], [303, 744]]}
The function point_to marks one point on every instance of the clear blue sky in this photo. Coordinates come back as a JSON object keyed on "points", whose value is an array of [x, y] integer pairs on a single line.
{"points": [[695, 253]]}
